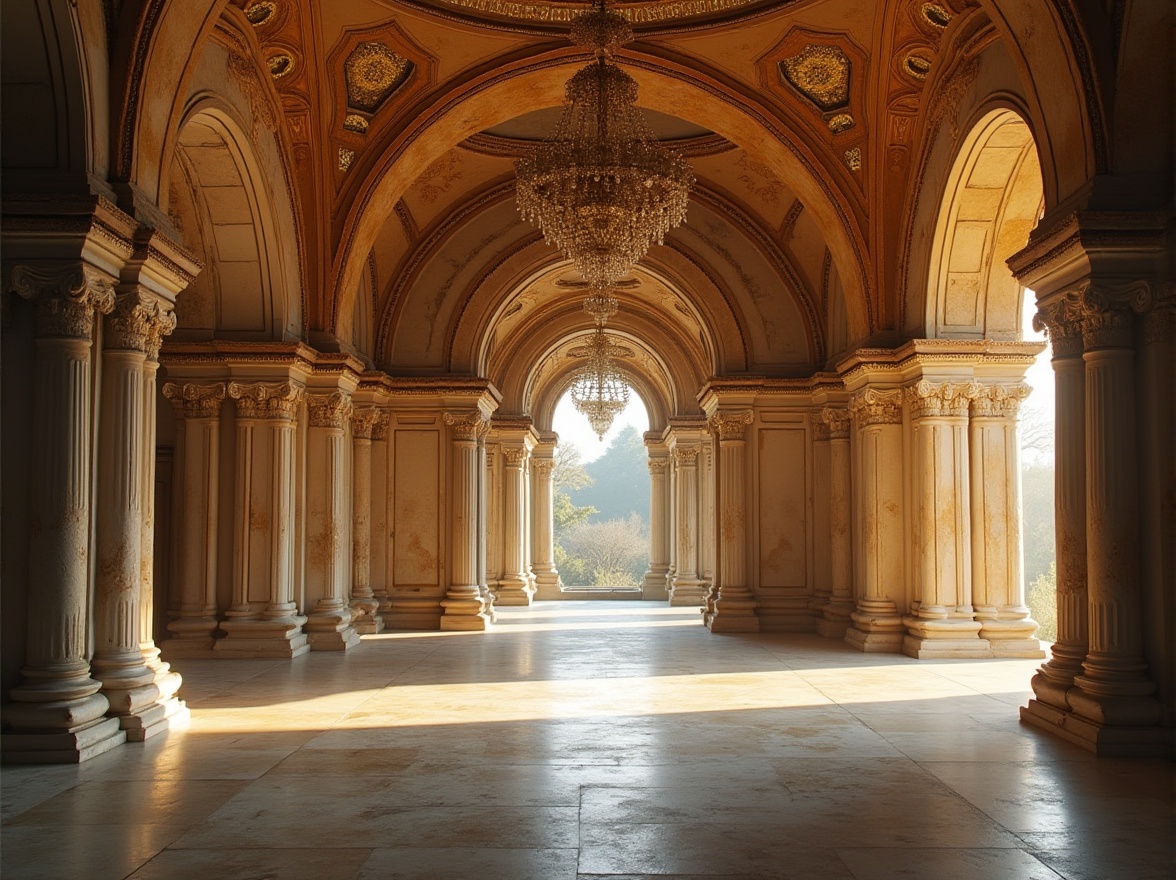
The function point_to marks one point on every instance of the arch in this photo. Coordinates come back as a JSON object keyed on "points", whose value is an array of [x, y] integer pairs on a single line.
{"points": [[538, 83], [219, 200], [991, 202]]}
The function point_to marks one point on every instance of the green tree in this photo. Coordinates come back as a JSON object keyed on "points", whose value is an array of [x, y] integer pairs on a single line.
{"points": [[613, 553], [620, 478], [1041, 597]]}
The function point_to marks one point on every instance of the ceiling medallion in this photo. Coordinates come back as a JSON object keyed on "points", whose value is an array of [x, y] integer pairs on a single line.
{"points": [[601, 187], [373, 72], [821, 74], [841, 122], [355, 122], [936, 14], [280, 65], [258, 14], [917, 65]]}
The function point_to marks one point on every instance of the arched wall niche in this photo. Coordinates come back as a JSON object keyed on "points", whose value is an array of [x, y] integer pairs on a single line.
{"points": [[991, 202], [538, 83], [220, 202]]}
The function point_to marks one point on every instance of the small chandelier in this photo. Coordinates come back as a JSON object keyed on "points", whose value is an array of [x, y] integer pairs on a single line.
{"points": [[601, 187], [599, 390]]}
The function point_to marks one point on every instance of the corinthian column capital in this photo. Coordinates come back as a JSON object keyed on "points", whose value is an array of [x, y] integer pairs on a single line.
{"points": [[836, 421], [67, 297], [997, 401], [730, 424], [938, 399], [329, 410], [468, 426], [266, 400], [138, 322], [363, 422], [874, 407], [193, 400]]}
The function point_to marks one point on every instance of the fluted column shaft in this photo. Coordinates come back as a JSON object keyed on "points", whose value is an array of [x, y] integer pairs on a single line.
{"points": [[734, 604], [56, 692], [1114, 687], [464, 607], [686, 588], [513, 586], [364, 604], [118, 656], [198, 406], [542, 479], [381, 572]]}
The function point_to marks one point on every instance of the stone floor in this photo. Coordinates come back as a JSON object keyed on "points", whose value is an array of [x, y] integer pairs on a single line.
{"points": [[590, 739]]}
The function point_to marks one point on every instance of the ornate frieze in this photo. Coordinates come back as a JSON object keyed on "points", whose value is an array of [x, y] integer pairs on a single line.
{"points": [[873, 407], [730, 424], [329, 410], [67, 298], [266, 400], [195, 400], [467, 426], [997, 401], [837, 421], [939, 399]]}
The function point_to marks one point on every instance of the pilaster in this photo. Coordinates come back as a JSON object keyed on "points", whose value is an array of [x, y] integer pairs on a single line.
{"points": [[685, 445], [734, 604], [542, 471], [654, 586], [364, 605], [516, 443], [876, 448], [836, 614], [465, 609]]}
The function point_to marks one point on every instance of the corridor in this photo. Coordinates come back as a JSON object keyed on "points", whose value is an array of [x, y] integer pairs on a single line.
{"points": [[594, 739]]}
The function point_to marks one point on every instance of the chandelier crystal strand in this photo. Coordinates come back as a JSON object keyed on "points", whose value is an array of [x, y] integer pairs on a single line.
{"points": [[602, 188], [599, 389]]}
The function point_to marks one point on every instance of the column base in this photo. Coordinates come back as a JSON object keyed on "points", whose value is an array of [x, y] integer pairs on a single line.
{"points": [[547, 585], [365, 615], [187, 649], [733, 613], [465, 611], [1102, 739], [686, 592], [514, 591], [833, 628], [157, 719], [62, 746], [253, 638], [944, 638], [653, 586], [1027, 649], [369, 624], [328, 627], [874, 642], [1012, 638], [343, 639], [876, 627]]}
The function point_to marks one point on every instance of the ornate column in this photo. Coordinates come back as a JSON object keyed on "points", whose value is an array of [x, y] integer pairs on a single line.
{"points": [[822, 551], [735, 605], [513, 586], [57, 714], [685, 587], [835, 614], [1114, 689], [127, 681], [942, 622], [708, 525], [877, 479], [483, 529], [654, 586], [381, 570], [328, 624], [542, 467], [493, 540], [364, 604], [1055, 678], [464, 607], [197, 407], [264, 620], [998, 587]]}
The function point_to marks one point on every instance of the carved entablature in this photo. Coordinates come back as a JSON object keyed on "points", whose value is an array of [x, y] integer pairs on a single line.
{"points": [[363, 422], [836, 421], [997, 401], [138, 322], [730, 424], [467, 426], [939, 399], [67, 297], [685, 456], [874, 407], [195, 400], [266, 400], [329, 410]]}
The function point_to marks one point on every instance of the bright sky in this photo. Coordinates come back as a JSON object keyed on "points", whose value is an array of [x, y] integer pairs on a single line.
{"points": [[1040, 376], [573, 427]]}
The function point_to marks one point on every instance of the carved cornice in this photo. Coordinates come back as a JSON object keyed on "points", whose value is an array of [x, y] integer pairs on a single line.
{"points": [[874, 407], [363, 422], [266, 400], [67, 297], [329, 410], [730, 424], [997, 401], [837, 420], [467, 426], [939, 399], [195, 400]]}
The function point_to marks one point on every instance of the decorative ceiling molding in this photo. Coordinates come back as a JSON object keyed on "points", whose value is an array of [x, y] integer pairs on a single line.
{"points": [[373, 72], [514, 148]]}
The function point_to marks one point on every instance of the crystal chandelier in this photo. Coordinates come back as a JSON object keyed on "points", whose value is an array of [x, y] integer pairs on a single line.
{"points": [[601, 187], [599, 389]]}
